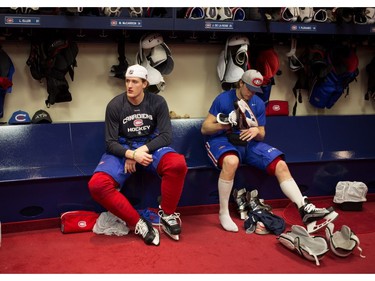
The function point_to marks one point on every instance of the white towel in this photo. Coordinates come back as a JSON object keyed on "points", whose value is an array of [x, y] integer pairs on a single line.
{"points": [[108, 224]]}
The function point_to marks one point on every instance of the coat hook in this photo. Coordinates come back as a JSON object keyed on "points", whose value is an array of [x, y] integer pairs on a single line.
{"points": [[7, 32], [193, 36], [103, 35], [173, 35], [213, 36], [80, 34], [125, 33]]}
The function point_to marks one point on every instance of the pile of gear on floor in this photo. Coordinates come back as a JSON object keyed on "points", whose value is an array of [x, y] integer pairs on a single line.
{"points": [[259, 218], [106, 223]]}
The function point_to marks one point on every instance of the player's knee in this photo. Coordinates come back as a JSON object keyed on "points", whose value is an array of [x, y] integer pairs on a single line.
{"points": [[98, 184], [229, 161], [179, 165], [282, 167], [173, 163], [277, 166]]}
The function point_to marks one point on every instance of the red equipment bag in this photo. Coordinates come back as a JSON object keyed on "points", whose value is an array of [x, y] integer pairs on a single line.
{"points": [[277, 108], [78, 221]]}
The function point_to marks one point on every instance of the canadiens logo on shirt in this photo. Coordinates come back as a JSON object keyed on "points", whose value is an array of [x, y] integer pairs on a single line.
{"points": [[138, 122], [139, 126]]}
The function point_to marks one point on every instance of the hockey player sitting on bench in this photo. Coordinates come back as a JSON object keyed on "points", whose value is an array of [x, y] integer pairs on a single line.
{"points": [[234, 130], [138, 131]]}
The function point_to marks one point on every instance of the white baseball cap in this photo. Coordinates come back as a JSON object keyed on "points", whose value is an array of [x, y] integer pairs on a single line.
{"points": [[137, 71], [253, 80]]}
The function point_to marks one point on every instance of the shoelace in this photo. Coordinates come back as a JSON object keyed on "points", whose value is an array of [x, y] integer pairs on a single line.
{"points": [[141, 228], [311, 208], [172, 218]]}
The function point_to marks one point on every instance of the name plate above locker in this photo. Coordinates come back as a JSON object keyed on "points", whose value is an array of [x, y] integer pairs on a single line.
{"points": [[22, 21], [126, 23]]}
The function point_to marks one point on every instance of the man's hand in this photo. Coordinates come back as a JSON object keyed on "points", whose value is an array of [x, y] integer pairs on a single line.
{"points": [[142, 157], [130, 166], [249, 134], [139, 156]]}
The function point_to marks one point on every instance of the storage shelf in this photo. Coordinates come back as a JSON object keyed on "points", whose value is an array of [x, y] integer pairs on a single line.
{"points": [[84, 22], [177, 24]]}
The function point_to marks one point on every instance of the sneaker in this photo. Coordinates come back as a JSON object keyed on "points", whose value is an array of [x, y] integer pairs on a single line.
{"points": [[149, 234], [171, 224]]}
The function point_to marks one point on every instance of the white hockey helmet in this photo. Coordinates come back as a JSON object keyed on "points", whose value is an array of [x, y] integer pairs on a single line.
{"points": [[306, 14], [290, 14], [221, 65], [155, 79], [162, 51], [234, 72], [151, 40]]}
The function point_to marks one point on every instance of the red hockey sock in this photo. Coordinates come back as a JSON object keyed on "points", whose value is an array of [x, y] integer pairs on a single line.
{"points": [[103, 189], [172, 168], [271, 168]]}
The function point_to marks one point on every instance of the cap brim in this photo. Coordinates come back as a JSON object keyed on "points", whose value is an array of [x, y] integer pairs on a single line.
{"points": [[254, 89]]}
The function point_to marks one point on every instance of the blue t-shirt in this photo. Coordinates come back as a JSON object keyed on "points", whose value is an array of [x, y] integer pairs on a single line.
{"points": [[224, 103]]}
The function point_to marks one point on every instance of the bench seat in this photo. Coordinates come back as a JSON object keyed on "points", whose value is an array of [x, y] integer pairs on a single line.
{"points": [[45, 168]]}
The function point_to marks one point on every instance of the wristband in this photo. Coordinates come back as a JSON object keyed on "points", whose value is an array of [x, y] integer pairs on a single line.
{"points": [[134, 154]]}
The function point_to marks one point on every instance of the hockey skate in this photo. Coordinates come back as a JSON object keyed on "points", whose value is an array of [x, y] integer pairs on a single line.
{"points": [[240, 198], [316, 218], [171, 224], [149, 234], [244, 121], [255, 203], [230, 119]]}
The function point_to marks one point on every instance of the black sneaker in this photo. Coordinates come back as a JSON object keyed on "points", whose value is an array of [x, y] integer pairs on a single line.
{"points": [[149, 234]]}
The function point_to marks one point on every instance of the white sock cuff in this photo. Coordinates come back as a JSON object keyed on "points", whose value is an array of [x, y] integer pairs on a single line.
{"points": [[225, 181], [292, 191], [287, 182]]}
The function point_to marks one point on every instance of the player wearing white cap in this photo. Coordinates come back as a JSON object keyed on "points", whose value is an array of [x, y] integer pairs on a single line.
{"points": [[138, 132]]}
